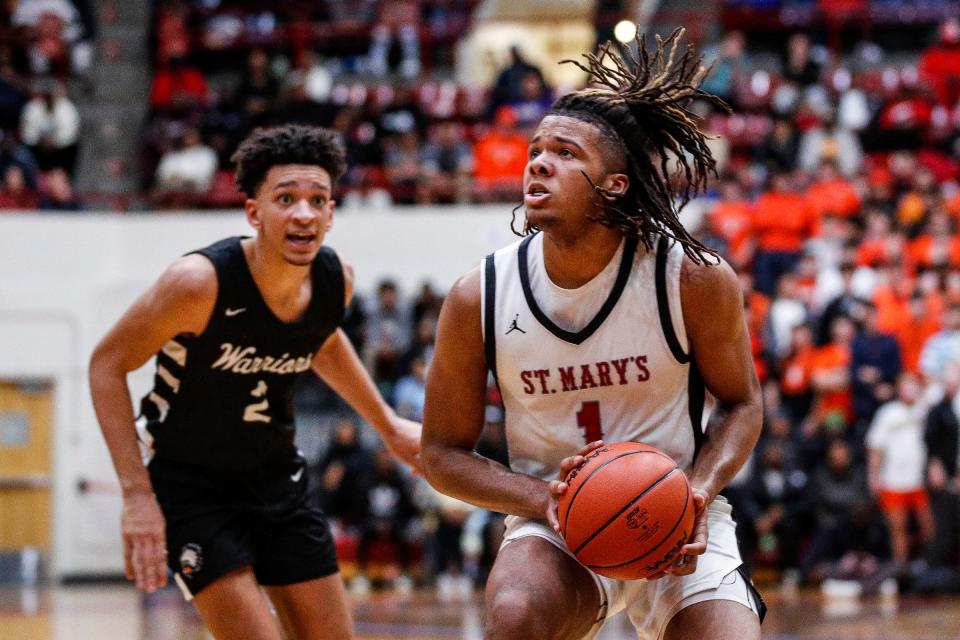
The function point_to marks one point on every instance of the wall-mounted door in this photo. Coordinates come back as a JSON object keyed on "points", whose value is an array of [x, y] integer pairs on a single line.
{"points": [[26, 411]]}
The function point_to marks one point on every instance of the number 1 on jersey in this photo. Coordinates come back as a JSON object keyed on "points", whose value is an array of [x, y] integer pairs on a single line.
{"points": [[588, 419]]}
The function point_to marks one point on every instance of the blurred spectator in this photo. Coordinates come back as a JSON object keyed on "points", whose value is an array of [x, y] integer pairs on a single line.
{"points": [[782, 220], [796, 394], [832, 195], [799, 66], [942, 347], [388, 335], [500, 159], [787, 311], [56, 192], [729, 59], [942, 440], [410, 391], [843, 512], [343, 472], [50, 126], [259, 89], [387, 509], [508, 86], [779, 150], [446, 165], [901, 121], [451, 519], [53, 26], [188, 167], [402, 17], [830, 375], [776, 504], [828, 142], [14, 192], [401, 161], [13, 94], [846, 303], [533, 101], [897, 460], [938, 246], [731, 221], [920, 324], [875, 365], [940, 63], [13, 153], [180, 85], [401, 115]]}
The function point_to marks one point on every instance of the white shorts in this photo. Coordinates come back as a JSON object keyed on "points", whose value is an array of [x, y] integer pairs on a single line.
{"points": [[650, 605]]}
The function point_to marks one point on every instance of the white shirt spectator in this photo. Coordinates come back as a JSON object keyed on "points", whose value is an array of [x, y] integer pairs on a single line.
{"points": [[939, 349], [58, 126], [897, 433], [27, 14], [191, 168]]}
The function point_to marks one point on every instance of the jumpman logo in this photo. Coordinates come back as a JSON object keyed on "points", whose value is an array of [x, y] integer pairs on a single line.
{"points": [[514, 326]]}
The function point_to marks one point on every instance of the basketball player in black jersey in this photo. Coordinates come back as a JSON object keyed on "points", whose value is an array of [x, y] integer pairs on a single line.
{"points": [[597, 172], [223, 500]]}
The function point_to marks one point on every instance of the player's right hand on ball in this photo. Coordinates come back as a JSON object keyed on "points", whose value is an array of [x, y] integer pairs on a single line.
{"points": [[558, 487], [144, 541]]}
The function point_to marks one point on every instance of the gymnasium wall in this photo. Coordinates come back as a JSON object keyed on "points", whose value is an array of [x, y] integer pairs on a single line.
{"points": [[64, 279]]}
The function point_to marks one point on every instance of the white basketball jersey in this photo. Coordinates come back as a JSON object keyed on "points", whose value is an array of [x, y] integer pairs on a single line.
{"points": [[609, 360]]}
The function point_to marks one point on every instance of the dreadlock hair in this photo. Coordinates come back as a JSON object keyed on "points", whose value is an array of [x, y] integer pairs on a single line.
{"points": [[639, 106], [267, 147]]}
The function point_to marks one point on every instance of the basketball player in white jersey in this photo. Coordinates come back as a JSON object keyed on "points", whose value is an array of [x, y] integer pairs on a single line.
{"points": [[607, 322]]}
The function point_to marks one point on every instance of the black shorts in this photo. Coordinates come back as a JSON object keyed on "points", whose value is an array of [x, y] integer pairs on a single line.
{"points": [[220, 521]]}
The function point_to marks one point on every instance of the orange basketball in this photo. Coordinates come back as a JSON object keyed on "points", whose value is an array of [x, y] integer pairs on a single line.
{"points": [[627, 511]]}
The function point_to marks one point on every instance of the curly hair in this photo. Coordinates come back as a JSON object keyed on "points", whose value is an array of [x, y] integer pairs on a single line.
{"points": [[639, 106], [267, 147]]}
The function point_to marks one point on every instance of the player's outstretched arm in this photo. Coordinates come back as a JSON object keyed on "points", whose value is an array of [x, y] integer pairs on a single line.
{"points": [[454, 415], [340, 367], [181, 301]]}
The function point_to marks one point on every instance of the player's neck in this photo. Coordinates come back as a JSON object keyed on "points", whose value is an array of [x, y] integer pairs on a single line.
{"points": [[274, 276], [572, 261]]}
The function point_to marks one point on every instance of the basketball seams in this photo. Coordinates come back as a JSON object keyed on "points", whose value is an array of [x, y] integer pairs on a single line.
{"points": [[566, 514], [627, 506], [686, 505]]}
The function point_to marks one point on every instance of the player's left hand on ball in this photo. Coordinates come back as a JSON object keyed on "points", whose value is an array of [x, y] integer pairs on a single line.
{"points": [[686, 561], [559, 486], [404, 442]]}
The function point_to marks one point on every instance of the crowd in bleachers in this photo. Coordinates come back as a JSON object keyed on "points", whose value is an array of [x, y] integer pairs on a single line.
{"points": [[43, 45]]}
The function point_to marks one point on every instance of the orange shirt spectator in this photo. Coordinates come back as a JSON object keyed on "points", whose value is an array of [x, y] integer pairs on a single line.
{"points": [[501, 154], [893, 303], [783, 221], [835, 197], [828, 365], [913, 333], [732, 221]]}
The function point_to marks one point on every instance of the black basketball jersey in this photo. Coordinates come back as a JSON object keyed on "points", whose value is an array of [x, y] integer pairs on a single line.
{"points": [[224, 399]]}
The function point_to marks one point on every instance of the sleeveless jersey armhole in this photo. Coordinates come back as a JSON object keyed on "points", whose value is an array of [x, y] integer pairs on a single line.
{"points": [[488, 307]]}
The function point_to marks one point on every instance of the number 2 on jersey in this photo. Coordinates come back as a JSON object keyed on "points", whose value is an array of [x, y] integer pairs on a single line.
{"points": [[588, 419], [253, 412]]}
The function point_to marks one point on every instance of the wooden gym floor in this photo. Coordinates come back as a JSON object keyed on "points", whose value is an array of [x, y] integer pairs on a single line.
{"points": [[118, 612]]}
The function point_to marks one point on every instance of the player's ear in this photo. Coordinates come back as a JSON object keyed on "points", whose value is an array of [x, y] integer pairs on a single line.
{"points": [[333, 208], [252, 210], [617, 183]]}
